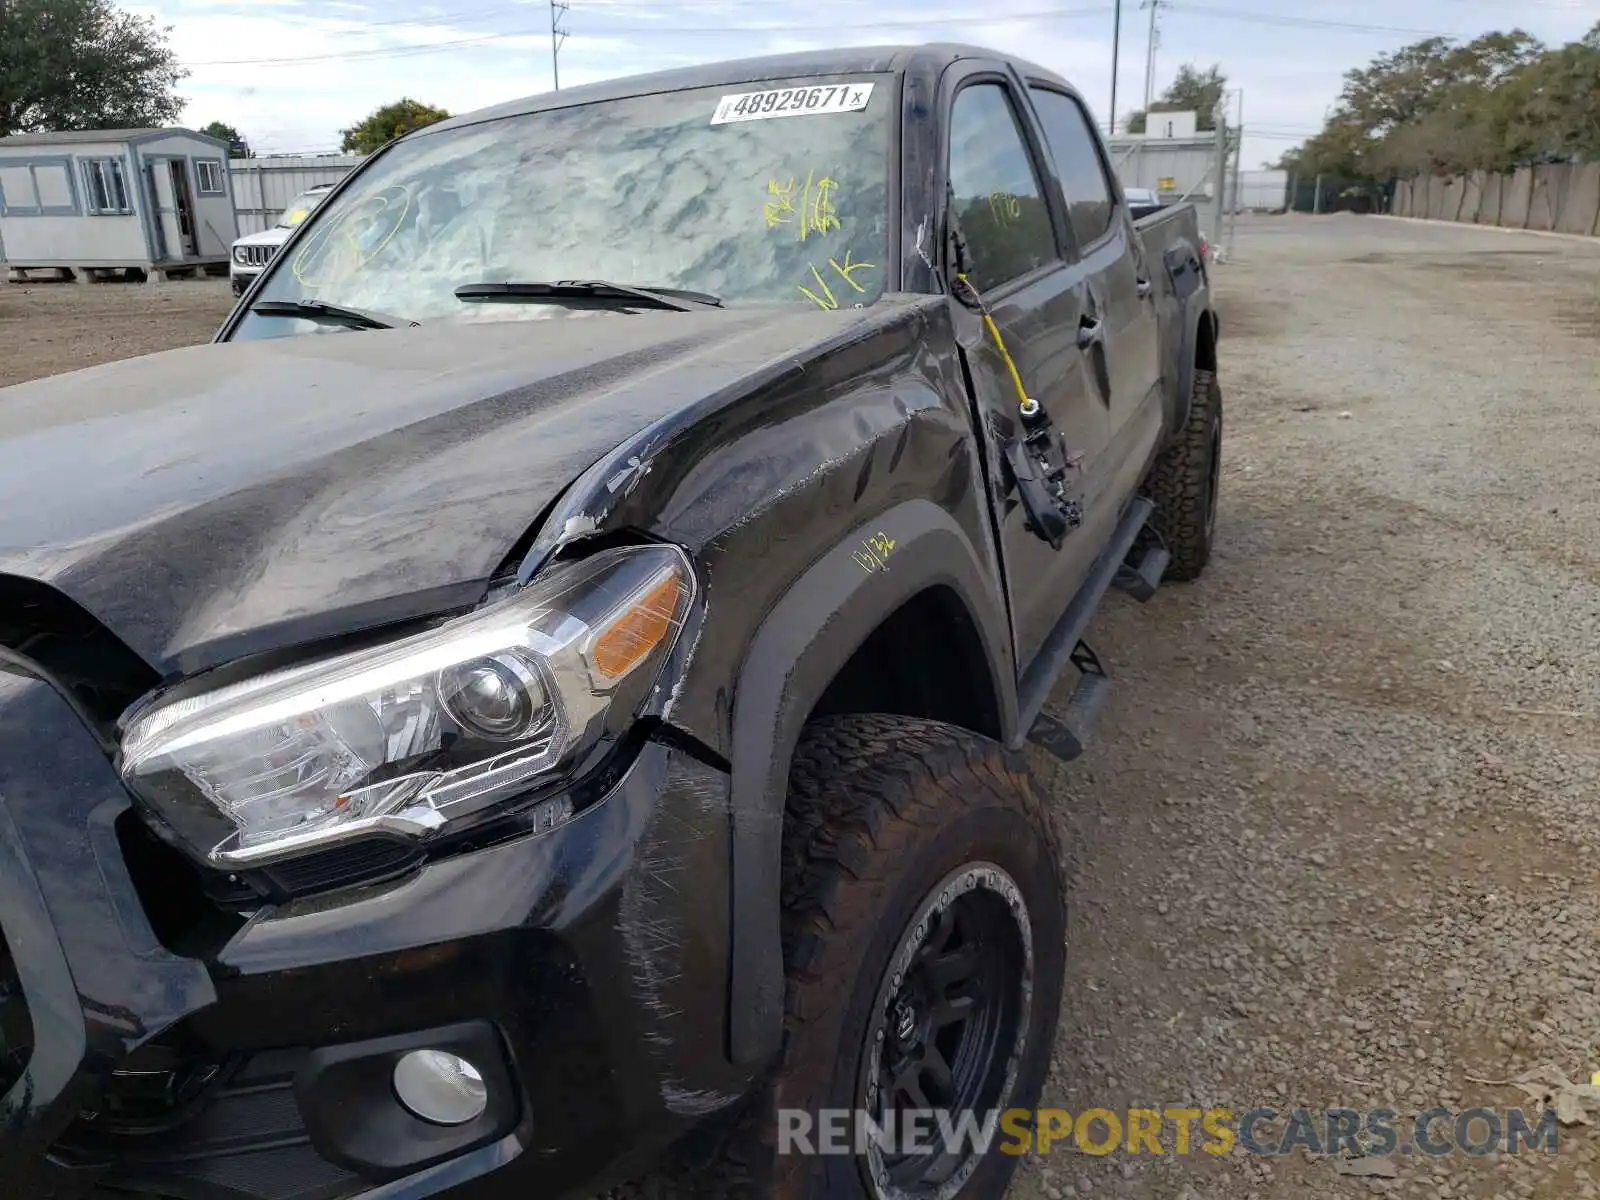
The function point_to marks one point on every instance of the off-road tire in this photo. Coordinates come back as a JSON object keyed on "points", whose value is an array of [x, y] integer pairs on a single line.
{"points": [[1184, 483], [880, 810]]}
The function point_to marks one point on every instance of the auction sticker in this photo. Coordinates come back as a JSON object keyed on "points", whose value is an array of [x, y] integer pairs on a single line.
{"points": [[810, 101]]}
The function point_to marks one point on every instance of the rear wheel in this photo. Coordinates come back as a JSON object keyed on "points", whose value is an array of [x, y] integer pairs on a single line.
{"points": [[1184, 483], [924, 927]]}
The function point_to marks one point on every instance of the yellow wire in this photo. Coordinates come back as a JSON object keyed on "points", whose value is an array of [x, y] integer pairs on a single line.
{"points": [[1005, 355]]}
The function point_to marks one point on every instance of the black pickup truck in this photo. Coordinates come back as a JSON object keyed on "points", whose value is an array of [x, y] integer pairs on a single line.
{"points": [[541, 694]]}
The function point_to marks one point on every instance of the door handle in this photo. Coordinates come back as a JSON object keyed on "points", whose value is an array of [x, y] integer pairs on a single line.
{"points": [[1090, 331], [1145, 288]]}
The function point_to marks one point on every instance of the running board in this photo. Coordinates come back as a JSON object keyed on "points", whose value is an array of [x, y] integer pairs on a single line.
{"points": [[1067, 735], [1141, 574], [1060, 649]]}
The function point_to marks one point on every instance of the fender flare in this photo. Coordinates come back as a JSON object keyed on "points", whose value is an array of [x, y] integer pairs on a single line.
{"points": [[1197, 308], [805, 640]]}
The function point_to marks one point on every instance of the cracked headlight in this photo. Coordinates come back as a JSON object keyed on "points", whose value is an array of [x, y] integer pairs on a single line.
{"points": [[405, 737]]}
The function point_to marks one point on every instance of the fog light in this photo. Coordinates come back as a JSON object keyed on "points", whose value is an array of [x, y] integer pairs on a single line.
{"points": [[439, 1087]]}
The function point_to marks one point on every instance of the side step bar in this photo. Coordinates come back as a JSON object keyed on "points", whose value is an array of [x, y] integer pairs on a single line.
{"points": [[1134, 560], [1065, 736], [1141, 574]]}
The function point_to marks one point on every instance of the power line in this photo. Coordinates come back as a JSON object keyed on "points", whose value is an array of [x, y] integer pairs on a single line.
{"points": [[1049, 14], [448, 18], [1261, 18], [378, 52], [456, 43]]}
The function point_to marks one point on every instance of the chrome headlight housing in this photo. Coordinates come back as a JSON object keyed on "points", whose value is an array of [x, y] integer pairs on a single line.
{"points": [[407, 737]]}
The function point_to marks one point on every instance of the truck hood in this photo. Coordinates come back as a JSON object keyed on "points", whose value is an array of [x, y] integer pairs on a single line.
{"points": [[227, 499], [276, 236]]}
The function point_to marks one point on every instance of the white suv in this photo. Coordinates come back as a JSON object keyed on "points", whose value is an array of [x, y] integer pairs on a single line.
{"points": [[254, 251]]}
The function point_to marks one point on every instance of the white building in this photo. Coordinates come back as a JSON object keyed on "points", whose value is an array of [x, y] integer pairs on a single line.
{"points": [[155, 200], [1173, 157]]}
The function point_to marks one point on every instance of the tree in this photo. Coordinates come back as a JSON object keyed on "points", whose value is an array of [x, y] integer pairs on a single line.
{"points": [[1500, 101], [83, 64], [227, 133], [1191, 90], [387, 123]]}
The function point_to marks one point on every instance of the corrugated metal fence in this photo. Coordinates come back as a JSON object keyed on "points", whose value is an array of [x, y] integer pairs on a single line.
{"points": [[1172, 167], [1559, 198], [263, 187]]}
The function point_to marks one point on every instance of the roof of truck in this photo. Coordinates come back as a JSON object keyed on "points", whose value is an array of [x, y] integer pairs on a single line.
{"points": [[856, 60]]}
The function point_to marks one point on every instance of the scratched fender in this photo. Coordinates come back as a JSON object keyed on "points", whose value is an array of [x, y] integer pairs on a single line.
{"points": [[871, 434]]}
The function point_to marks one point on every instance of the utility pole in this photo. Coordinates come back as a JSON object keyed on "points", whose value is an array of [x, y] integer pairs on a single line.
{"points": [[1150, 52], [1116, 57], [1220, 171], [1238, 175], [558, 35]]}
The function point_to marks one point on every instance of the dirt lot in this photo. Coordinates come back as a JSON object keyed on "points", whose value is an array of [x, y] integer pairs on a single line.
{"points": [[1337, 842], [47, 328]]}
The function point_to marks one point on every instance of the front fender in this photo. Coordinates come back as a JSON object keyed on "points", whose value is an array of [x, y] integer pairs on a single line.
{"points": [[805, 640]]}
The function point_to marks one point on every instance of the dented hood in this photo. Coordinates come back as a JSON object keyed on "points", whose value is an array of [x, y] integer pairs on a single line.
{"points": [[231, 498]]}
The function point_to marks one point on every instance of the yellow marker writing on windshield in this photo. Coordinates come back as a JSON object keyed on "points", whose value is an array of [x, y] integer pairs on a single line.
{"points": [[779, 210], [846, 271], [825, 300], [821, 213], [810, 209]]}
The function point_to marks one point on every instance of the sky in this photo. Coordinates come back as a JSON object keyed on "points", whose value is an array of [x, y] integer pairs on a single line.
{"points": [[289, 74]]}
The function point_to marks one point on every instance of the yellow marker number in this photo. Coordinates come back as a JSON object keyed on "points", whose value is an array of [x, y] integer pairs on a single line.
{"points": [[874, 555], [1005, 207]]}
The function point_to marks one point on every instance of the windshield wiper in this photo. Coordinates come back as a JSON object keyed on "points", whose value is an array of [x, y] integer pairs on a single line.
{"points": [[600, 292], [329, 314]]}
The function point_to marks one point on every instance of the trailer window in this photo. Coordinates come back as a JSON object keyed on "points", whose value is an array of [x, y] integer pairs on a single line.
{"points": [[209, 171], [105, 187]]}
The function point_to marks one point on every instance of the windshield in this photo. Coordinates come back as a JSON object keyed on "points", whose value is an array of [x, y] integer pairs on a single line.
{"points": [[299, 209], [767, 193]]}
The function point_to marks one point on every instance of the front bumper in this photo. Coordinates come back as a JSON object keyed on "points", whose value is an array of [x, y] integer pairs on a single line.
{"points": [[163, 1058], [241, 277]]}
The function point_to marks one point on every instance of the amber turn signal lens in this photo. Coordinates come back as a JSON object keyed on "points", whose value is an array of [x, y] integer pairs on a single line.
{"points": [[638, 631]]}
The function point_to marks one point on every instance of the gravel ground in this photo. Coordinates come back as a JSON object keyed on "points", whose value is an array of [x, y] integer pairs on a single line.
{"points": [[1331, 846], [47, 328]]}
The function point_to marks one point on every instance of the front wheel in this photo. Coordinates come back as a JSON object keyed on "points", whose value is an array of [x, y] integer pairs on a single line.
{"points": [[924, 931]]}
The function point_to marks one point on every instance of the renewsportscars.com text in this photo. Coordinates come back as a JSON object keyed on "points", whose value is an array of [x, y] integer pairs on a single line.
{"points": [[1177, 1131]]}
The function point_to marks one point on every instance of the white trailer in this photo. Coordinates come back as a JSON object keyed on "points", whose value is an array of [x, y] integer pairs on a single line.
{"points": [[85, 202]]}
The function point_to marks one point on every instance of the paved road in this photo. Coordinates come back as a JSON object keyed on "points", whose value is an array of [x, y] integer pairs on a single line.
{"points": [[1337, 844]]}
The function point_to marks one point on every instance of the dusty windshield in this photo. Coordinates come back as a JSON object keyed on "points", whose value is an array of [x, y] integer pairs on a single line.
{"points": [[760, 193], [299, 209]]}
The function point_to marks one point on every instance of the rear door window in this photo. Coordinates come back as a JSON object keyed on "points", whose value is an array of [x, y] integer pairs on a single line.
{"points": [[1085, 185]]}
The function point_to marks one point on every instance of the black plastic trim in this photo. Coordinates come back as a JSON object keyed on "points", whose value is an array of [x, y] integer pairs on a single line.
{"points": [[346, 1095]]}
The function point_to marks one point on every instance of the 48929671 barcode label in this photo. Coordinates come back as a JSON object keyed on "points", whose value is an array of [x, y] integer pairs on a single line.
{"points": [[812, 101]]}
